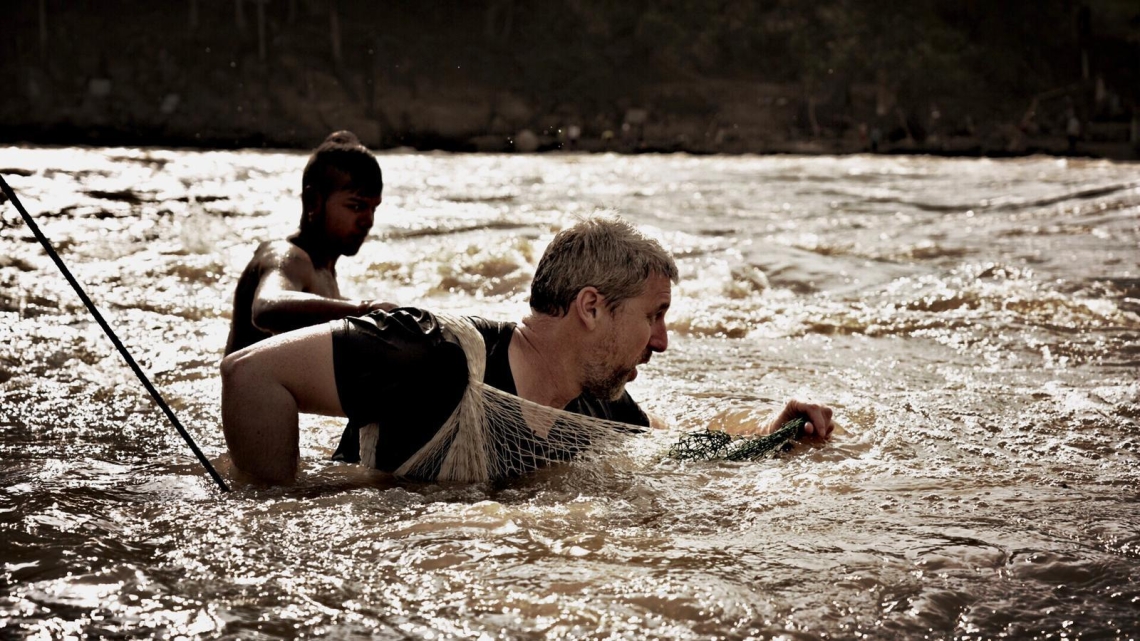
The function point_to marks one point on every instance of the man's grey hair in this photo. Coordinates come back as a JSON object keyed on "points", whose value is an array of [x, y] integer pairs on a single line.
{"points": [[601, 251]]}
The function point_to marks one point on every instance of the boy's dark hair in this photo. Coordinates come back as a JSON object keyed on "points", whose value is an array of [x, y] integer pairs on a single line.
{"points": [[340, 162]]}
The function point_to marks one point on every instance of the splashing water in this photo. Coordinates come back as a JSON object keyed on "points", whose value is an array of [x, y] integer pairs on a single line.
{"points": [[973, 322]]}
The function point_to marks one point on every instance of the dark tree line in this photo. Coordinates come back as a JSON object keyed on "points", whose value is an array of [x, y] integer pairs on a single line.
{"points": [[984, 56]]}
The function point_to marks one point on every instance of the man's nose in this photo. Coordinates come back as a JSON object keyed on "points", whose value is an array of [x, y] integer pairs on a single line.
{"points": [[659, 339]]}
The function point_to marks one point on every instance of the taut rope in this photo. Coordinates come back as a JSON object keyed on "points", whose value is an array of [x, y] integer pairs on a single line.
{"points": [[111, 334]]}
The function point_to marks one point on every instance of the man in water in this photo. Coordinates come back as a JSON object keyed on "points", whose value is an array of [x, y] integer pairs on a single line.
{"points": [[291, 283], [598, 303]]}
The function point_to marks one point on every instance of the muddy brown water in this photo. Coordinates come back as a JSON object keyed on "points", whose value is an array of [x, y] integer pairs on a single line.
{"points": [[973, 322]]}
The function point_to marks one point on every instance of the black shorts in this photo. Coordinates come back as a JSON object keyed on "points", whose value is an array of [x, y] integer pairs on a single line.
{"points": [[401, 370]]}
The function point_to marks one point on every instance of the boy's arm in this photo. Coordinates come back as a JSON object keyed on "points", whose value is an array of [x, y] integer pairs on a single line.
{"points": [[285, 299]]}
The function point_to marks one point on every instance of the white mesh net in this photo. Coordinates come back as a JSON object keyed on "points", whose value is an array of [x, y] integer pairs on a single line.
{"points": [[492, 434]]}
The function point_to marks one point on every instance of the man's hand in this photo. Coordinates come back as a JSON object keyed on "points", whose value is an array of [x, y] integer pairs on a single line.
{"points": [[818, 417]]}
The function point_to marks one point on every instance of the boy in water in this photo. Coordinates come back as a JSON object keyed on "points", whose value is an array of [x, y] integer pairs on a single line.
{"points": [[291, 283]]}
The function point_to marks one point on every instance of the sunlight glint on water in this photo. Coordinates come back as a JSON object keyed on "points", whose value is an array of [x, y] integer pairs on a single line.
{"points": [[974, 322]]}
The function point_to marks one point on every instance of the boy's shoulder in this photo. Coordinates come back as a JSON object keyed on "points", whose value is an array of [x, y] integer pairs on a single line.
{"points": [[274, 253]]}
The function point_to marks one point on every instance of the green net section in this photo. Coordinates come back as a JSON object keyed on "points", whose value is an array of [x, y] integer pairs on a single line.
{"points": [[712, 445]]}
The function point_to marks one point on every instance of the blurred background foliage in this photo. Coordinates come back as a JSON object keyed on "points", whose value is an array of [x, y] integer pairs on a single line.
{"points": [[987, 60]]}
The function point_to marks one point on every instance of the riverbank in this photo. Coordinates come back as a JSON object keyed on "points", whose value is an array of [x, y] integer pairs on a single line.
{"points": [[483, 120], [496, 77], [279, 108], [66, 134]]}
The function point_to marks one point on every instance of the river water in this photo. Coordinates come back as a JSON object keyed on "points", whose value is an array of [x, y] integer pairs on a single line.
{"points": [[973, 322]]}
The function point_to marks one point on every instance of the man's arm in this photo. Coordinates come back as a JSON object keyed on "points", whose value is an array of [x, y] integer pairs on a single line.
{"points": [[291, 295], [818, 418], [264, 386], [748, 422]]}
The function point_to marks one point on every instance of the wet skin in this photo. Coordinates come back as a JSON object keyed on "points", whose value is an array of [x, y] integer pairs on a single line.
{"points": [[635, 330]]}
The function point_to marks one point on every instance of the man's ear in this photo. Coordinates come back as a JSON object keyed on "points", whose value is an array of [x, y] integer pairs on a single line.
{"points": [[588, 305]]}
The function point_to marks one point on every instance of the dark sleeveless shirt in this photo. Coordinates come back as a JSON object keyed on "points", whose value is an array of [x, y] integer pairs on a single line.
{"points": [[406, 372]]}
